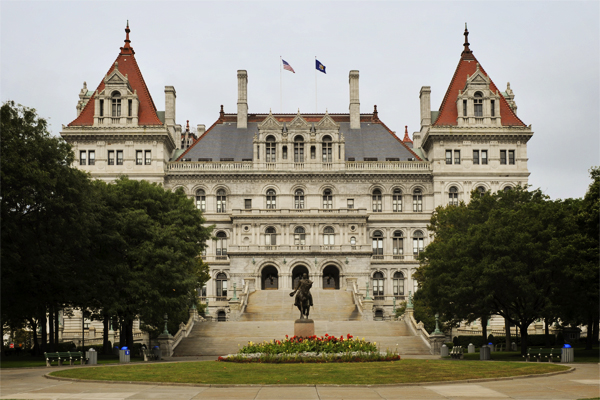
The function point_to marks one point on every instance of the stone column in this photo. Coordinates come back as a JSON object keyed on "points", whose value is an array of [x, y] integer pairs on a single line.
{"points": [[354, 101], [165, 342], [242, 111]]}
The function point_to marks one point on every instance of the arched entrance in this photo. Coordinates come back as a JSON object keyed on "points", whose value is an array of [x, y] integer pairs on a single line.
{"points": [[331, 277], [221, 316], [269, 278], [297, 274]]}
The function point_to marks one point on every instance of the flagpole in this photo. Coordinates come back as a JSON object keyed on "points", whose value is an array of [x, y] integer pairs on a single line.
{"points": [[316, 92], [280, 85]]}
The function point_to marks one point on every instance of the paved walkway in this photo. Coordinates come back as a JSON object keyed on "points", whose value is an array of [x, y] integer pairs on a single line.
{"points": [[30, 383]]}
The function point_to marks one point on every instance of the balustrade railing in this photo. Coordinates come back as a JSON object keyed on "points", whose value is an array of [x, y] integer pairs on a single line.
{"points": [[300, 166]]}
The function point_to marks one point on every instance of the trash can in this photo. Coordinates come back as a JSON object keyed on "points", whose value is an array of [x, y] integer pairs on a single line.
{"points": [[92, 356], [444, 351], [567, 354], [124, 355], [157, 352], [471, 348], [484, 353], [491, 346], [513, 346]]}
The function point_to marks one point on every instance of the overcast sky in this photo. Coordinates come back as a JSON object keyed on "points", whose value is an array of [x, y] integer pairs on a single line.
{"points": [[548, 51]]}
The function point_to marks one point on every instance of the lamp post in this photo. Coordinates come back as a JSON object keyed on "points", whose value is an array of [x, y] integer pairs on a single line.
{"points": [[234, 292], [166, 332], [437, 326], [367, 297]]}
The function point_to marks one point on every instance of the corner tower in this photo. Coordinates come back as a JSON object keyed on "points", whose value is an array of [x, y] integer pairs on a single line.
{"points": [[118, 130]]}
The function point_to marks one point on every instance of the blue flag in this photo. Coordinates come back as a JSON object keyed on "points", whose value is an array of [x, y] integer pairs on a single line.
{"points": [[320, 66]]}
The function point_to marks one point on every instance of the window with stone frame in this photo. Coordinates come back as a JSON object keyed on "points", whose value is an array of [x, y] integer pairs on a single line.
{"points": [[139, 160], [298, 149], [271, 149], [397, 200], [478, 104], [111, 157], [453, 196], [92, 157], [484, 157], [82, 157], [327, 149], [418, 242], [270, 236], [299, 199], [327, 199], [221, 201], [221, 244], [377, 243], [299, 236], [398, 283], [503, 157], [350, 203], [511, 157], [221, 281], [448, 157], [481, 190], [328, 236], [456, 157], [378, 284], [148, 157], [398, 243], [201, 200], [475, 157], [271, 199], [119, 157], [116, 104], [377, 202], [417, 200]]}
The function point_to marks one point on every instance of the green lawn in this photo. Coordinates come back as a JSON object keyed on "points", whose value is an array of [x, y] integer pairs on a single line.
{"points": [[403, 371], [22, 361]]}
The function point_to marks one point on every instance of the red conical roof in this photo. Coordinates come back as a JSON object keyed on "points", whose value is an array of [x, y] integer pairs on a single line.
{"points": [[406, 137], [127, 65], [467, 66]]}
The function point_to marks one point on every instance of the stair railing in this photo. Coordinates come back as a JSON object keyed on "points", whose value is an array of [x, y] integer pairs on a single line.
{"points": [[184, 331], [417, 329], [357, 297], [244, 298]]}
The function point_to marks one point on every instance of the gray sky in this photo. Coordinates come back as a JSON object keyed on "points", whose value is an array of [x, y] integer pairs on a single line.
{"points": [[548, 51]]}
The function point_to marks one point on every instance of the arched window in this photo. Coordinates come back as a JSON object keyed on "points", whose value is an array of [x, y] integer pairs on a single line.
{"points": [[397, 200], [417, 201], [221, 285], [378, 283], [221, 201], [327, 199], [298, 149], [453, 196], [328, 236], [271, 198], [353, 242], [299, 199], [507, 188], [299, 236], [398, 244], [377, 243], [270, 236], [377, 200], [221, 244], [327, 149], [201, 200], [478, 104], [271, 148], [417, 242], [398, 284], [116, 104], [481, 190]]}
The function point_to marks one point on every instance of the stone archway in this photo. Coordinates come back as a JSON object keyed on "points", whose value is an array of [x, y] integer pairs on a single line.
{"points": [[297, 272], [269, 278], [331, 277]]}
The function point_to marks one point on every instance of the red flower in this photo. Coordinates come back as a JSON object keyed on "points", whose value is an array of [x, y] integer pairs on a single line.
{"points": [[326, 335]]}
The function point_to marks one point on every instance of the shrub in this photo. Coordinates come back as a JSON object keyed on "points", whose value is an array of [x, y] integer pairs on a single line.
{"points": [[322, 344]]}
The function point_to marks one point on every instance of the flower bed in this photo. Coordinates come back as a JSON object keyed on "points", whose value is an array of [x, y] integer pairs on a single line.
{"points": [[311, 349]]}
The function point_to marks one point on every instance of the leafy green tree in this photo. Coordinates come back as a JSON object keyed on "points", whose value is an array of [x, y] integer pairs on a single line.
{"points": [[504, 254]]}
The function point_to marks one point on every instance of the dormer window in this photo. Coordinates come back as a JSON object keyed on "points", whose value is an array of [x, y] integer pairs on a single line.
{"points": [[478, 104], [116, 104], [271, 149]]}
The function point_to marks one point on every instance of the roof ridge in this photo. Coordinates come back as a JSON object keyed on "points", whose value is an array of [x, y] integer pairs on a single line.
{"points": [[198, 140], [399, 140]]}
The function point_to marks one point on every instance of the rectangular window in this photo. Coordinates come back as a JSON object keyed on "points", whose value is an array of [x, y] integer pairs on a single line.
{"points": [[417, 245], [284, 152], [456, 156], [478, 108], [464, 108], [102, 108], [511, 157], [502, 156], [138, 157], [370, 158], [475, 157], [119, 157], [351, 159], [148, 157], [111, 157], [493, 108], [313, 152], [82, 157], [484, 158], [248, 204], [92, 157], [350, 203], [129, 108], [448, 156]]}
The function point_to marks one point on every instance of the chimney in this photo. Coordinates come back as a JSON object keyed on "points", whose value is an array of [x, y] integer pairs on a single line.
{"points": [[425, 96], [354, 103], [200, 129], [170, 97], [242, 111]]}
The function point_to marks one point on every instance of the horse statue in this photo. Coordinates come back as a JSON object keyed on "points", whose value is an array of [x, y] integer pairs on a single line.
{"points": [[303, 298]]}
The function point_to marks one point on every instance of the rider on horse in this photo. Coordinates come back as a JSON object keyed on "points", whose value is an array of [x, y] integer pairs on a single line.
{"points": [[303, 288]]}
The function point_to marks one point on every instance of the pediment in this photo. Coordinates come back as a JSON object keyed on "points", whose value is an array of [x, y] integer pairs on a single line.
{"points": [[327, 123], [116, 78], [270, 124], [298, 123]]}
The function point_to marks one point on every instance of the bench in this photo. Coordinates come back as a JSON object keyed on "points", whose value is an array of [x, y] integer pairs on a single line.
{"points": [[63, 356], [457, 353], [540, 354]]}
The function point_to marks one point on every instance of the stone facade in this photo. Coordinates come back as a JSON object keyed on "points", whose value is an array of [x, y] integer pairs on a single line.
{"points": [[337, 196]]}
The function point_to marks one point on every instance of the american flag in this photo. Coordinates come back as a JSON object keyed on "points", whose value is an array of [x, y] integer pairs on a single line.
{"points": [[287, 66]]}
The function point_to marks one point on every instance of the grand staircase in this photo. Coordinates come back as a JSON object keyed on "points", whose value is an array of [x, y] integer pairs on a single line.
{"points": [[270, 315]]}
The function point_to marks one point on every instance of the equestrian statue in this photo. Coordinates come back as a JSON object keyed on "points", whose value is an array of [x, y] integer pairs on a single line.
{"points": [[303, 299]]}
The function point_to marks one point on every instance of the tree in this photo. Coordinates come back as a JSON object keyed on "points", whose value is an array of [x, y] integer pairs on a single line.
{"points": [[503, 253]]}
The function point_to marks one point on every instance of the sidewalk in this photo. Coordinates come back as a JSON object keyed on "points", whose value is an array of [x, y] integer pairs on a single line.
{"points": [[30, 383]]}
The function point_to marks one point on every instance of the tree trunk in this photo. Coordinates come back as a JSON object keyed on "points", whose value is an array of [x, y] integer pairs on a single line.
{"points": [[590, 333], [595, 329], [523, 329], [484, 329], [56, 325], [44, 331], [507, 334], [106, 345], [129, 337], [546, 333], [122, 335], [51, 326], [36, 345]]}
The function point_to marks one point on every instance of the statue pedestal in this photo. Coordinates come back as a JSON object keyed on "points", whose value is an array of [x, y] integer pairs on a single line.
{"points": [[304, 327]]}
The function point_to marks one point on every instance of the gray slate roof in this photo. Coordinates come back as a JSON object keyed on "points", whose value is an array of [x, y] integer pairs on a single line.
{"points": [[226, 141]]}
